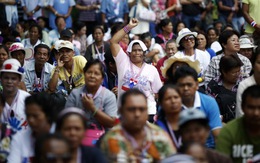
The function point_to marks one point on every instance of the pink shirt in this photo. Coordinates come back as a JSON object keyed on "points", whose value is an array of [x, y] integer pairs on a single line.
{"points": [[148, 81]]}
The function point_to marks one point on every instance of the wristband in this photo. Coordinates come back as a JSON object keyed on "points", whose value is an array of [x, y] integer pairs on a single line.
{"points": [[253, 23], [95, 112], [126, 29]]}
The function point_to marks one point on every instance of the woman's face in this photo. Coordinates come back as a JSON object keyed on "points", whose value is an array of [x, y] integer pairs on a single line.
{"points": [[82, 31], [3, 56], [41, 23], [168, 28], [137, 54], [171, 102], [202, 42], [98, 35], [232, 75], [188, 42], [232, 45], [37, 119], [93, 76], [180, 27], [212, 36], [34, 33], [19, 28], [73, 130]]}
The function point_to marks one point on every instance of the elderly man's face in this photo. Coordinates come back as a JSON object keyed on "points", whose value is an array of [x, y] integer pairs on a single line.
{"points": [[134, 113]]}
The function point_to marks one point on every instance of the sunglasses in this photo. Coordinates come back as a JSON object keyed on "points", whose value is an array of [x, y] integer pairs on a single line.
{"points": [[189, 38]]}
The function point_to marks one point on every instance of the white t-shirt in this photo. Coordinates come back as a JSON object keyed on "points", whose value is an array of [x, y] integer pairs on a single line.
{"points": [[18, 109], [216, 46], [201, 56], [148, 81], [22, 147]]}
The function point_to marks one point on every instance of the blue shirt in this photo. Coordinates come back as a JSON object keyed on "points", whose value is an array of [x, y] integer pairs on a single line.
{"points": [[210, 107]]}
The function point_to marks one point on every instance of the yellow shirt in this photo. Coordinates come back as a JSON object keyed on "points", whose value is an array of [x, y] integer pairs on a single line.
{"points": [[254, 6], [77, 72]]}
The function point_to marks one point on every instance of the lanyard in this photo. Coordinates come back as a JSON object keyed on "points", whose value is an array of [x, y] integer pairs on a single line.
{"points": [[11, 109], [69, 81], [176, 143], [100, 55], [139, 73], [96, 94], [39, 83]]}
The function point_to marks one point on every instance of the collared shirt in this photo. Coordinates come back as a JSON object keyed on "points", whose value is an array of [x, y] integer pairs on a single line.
{"points": [[197, 103], [119, 146], [209, 106], [213, 68], [30, 75]]}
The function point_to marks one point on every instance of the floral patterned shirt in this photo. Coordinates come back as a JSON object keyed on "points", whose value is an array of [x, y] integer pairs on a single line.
{"points": [[118, 145]]}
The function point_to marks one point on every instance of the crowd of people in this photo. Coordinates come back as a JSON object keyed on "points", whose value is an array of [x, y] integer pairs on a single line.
{"points": [[129, 81]]}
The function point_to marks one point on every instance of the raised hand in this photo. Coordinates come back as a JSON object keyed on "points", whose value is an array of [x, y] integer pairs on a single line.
{"points": [[133, 22], [60, 62]]}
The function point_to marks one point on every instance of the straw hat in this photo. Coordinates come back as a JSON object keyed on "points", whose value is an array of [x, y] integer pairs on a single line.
{"points": [[179, 58]]}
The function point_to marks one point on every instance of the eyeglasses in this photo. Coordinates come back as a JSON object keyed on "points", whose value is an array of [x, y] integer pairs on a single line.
{"points": [[189, 38]]}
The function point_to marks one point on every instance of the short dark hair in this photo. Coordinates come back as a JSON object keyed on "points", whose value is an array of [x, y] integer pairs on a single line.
{"points": [[40, 142], [131, 92], [185, 71], [57, 18], [95, 62], [79, 25], [225, 35], [145, 36], [252, 91], [214, 29], [228, 62], [43, 100], [39, 30], [164, 23], [98, 27], [42, 46]]}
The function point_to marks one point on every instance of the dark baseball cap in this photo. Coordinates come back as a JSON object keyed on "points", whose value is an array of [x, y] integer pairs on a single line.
{"points": [[66, 33]]}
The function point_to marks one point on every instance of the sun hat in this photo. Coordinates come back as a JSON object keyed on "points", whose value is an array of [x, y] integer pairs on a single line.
{"points": [[66, 44], [184, 32], [245, 43], [188, 115], [129, 48], [179, 58], [57, 44], [12, 66]]}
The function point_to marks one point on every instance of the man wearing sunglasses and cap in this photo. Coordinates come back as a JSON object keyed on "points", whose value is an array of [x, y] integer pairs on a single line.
{"points": [[133, 72]]}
